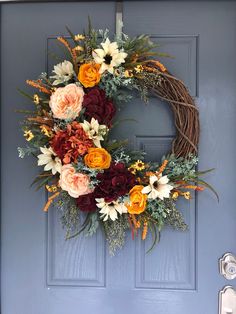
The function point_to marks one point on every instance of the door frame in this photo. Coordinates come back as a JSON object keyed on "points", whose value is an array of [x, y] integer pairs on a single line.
{"points": [[118, 16]]}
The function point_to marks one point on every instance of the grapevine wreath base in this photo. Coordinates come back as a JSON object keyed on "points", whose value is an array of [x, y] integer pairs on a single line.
{"points": [[86, 172]]}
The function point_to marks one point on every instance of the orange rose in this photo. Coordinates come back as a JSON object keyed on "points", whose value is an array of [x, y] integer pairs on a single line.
{"points": [[97, 158], [137, 200], [89, 74]]}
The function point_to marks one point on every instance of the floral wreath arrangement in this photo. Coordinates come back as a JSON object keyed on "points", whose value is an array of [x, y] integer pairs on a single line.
{"points": [[86, 172]]}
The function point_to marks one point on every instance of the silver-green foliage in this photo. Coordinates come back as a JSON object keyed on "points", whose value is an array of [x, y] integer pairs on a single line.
{"points": [[93, 224], [112, 85], [184, 168], [26, 151]]}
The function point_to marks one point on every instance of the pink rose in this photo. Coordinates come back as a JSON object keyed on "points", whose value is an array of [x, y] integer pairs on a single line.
{"points": [[75, 183], [66, 102]]}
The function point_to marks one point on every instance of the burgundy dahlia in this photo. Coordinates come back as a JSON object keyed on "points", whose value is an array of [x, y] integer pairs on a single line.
{"points": [[71, 143], [99, 107], [114, 182], [87, 203]]}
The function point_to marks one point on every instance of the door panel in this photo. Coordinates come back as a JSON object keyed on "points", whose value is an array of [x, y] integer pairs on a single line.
{"points": [[38, 282], [212, 25], [43, 273]]}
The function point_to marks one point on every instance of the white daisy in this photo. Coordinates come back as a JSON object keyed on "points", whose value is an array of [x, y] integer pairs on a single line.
{"points": [[110, 210], [63, 72], [109, 57], [95, 131], [50, 160], [158, 187]]}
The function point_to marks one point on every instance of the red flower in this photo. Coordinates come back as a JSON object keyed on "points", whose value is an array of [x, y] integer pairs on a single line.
{"points": [[99, 107], [114, 182], [87, 203], [71, 143]]}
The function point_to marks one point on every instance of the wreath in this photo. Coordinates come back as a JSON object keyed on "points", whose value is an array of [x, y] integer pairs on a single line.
{"points": [[91, 179]]}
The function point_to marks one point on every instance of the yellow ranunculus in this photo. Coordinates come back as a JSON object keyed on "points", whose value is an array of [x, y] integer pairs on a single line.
{"points": [[97, 158], [138, 200], [89, 75]]}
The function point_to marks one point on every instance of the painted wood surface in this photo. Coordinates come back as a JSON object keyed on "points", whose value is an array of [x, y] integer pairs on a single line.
{"points": [[44, 274]]}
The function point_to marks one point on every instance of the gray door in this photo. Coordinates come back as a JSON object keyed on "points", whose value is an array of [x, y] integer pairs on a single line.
{"points": [[42, 273]]}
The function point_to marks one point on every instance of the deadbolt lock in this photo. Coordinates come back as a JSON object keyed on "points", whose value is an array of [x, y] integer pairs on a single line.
{"points": [[227, 265]]}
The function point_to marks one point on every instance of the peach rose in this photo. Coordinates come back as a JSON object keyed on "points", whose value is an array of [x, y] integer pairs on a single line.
{"points": [[89, 74], [138, 200], [73, 182], [97, 158], [66, 102]]}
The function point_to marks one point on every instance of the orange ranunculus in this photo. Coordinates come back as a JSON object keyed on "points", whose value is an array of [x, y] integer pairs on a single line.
{"points": [[138, 200], [97, 158], [89, 74]]}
